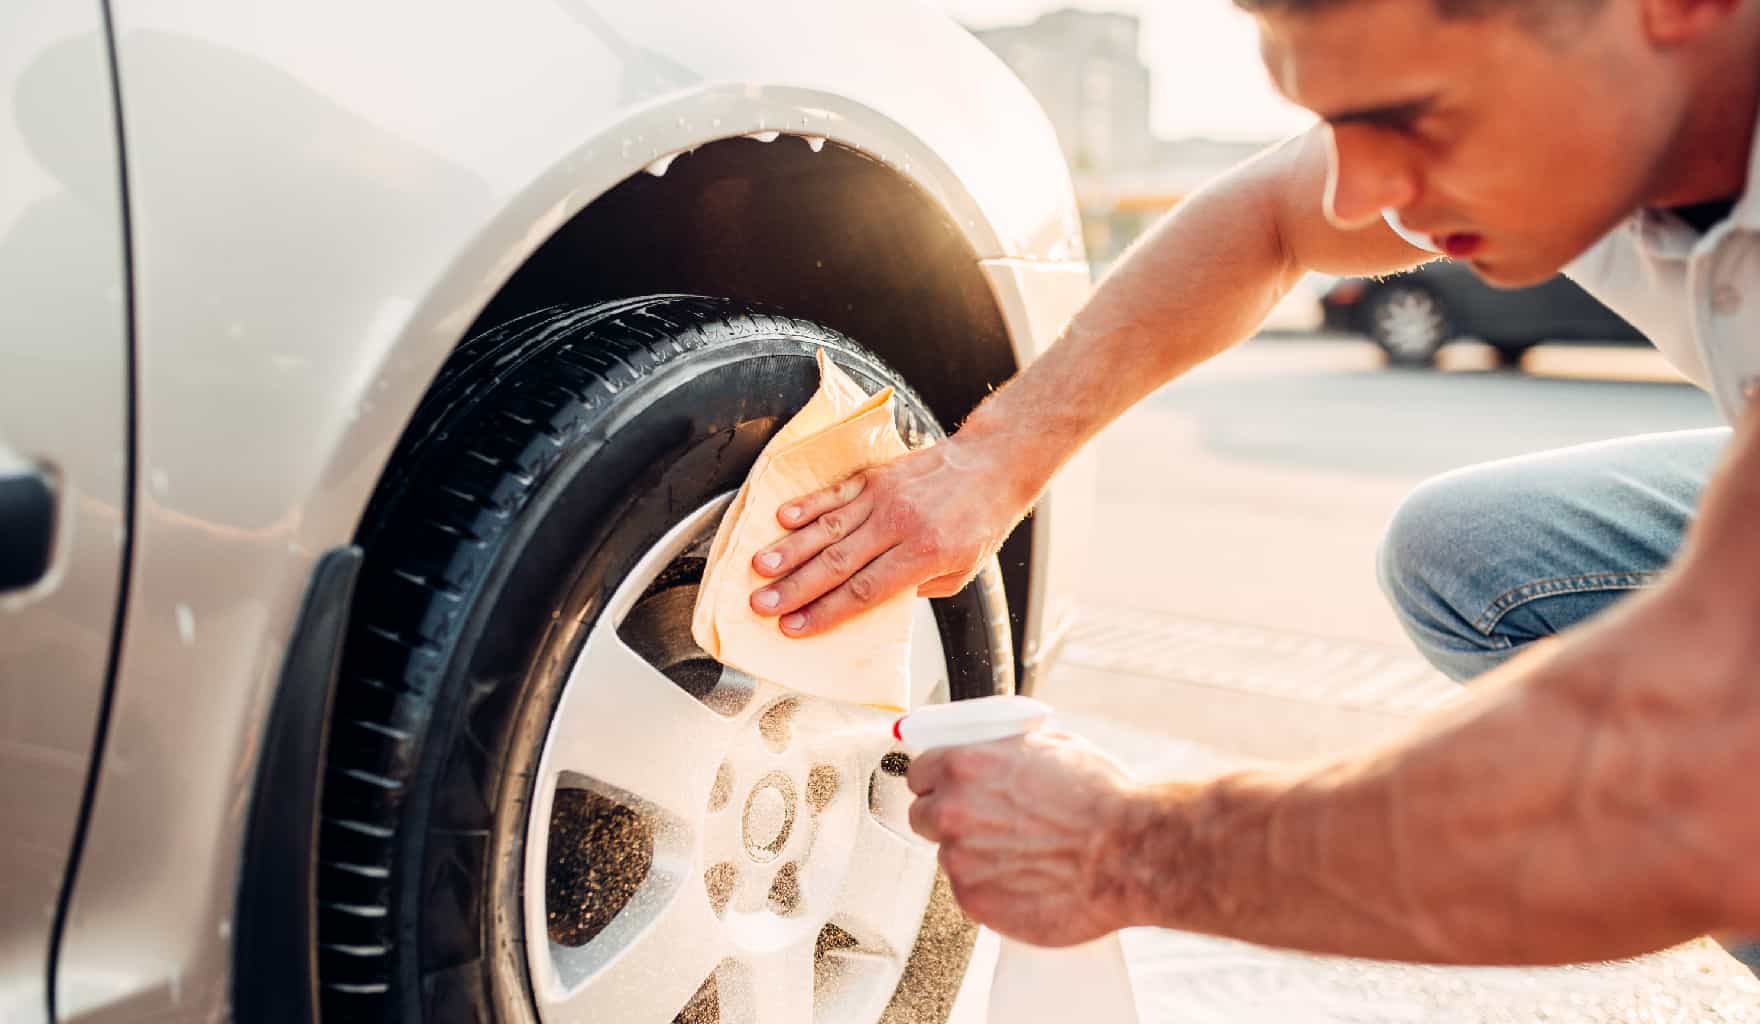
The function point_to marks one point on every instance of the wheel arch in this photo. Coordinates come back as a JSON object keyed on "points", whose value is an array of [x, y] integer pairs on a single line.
{"points": [[821, 230], [817, 228]]}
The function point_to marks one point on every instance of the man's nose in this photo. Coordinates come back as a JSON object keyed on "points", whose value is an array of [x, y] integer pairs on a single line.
{"points": [[1370, 172]]}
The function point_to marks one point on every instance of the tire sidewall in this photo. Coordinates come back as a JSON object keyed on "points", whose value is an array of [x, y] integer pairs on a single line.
{"points": [[661, 449]]}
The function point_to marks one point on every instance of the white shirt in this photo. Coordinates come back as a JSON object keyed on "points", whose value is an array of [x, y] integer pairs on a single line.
{"points": [[1697, 297]]}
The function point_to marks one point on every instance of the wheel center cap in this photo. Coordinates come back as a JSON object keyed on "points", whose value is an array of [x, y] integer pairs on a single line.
{"points": [[769, 816]]}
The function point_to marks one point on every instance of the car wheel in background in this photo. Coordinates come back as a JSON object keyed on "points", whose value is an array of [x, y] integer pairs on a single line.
{"points": [[544, 802], [1409, 322]]}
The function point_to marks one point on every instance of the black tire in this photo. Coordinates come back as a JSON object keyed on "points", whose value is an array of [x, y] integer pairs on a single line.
{"points": [[1409, 322], [1510, 353], [549, 455]]}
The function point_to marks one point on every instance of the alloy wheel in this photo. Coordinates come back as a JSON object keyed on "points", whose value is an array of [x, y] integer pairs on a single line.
{"points": [[708, 847]]}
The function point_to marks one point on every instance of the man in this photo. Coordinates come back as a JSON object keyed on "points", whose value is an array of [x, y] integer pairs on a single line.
{"points": [[1592, 800]]}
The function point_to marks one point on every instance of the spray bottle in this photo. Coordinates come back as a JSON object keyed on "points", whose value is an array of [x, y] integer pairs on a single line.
{"points": [[1032, 985]]}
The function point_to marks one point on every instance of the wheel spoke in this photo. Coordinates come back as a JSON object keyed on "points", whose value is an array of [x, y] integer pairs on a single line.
{"points": [[625, 725], [861, 737], [928, 663], [721, 842], [643, 968], [774, 987], [886, 891]]}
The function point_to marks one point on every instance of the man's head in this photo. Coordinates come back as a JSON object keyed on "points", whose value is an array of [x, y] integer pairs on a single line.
{"points": [[1517, 132]]}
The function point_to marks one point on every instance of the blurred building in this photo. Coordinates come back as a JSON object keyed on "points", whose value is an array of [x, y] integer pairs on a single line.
{"points": [[1085, 69], [1116, 208]]}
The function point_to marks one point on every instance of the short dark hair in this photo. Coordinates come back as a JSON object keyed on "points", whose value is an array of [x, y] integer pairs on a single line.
{"points": [[1447, 8]]}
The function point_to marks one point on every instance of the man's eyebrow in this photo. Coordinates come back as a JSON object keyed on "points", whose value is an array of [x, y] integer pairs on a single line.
{"points": [[1386, 114]]}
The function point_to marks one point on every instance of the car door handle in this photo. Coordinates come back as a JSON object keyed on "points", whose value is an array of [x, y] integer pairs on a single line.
{"points": [[27, 526]]}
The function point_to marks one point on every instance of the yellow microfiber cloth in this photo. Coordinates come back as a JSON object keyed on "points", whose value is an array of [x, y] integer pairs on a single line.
{"points": [[841, 431]]}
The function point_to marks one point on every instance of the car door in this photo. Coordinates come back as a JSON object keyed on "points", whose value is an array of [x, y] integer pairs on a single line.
{"points": [[64, 456]]}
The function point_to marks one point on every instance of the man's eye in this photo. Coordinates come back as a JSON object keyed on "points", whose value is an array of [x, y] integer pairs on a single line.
{"points": [[1417, 129]]}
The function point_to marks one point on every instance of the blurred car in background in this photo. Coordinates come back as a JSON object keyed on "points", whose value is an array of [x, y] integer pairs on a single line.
{"points": [[1412, 315]]}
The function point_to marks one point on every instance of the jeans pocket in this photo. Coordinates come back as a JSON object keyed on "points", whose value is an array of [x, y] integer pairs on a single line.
{"points": [[1584, 595]]}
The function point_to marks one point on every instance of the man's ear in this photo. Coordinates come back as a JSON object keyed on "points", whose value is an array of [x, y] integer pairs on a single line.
{"points": [[1671, 23]]}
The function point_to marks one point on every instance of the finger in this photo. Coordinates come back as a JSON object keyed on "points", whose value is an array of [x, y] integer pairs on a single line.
{"points": [[827, 571], [884, 577], [804, 544], [805, 509], [922, 818], [926, 772]]}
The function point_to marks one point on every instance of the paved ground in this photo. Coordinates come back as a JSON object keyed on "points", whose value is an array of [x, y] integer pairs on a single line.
{"points": [[1231, 615]]}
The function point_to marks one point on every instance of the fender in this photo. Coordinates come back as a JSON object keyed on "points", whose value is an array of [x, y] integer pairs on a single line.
{"points": [[275, 963]]}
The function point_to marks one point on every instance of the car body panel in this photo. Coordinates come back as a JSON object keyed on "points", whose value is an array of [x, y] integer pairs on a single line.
{"points": [[1555, 311], [313, 234], [63, 408]]}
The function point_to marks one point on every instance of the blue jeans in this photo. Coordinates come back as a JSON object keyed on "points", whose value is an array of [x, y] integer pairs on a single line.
{"points": [[1484, 560]]}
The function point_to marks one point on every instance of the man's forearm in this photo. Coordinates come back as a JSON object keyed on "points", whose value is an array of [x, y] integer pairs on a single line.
{"points": [[1554, 819], [1201, 281]]}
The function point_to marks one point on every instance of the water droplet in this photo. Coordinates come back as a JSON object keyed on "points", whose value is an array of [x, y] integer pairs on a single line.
{"points": [[764, 136], [816, 142], [659, 167]]}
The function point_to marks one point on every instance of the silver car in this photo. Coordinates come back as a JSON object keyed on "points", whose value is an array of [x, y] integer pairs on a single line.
{"points": [[372, 375]]}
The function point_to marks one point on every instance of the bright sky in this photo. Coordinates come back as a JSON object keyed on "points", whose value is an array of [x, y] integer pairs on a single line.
{"points": [[1203, 56]]}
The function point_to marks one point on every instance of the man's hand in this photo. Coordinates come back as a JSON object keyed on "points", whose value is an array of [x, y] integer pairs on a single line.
{"points": [[929, 520], [1031, 830]]}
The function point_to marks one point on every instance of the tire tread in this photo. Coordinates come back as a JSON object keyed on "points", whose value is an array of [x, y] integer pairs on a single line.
{"points": [[499, 415]]}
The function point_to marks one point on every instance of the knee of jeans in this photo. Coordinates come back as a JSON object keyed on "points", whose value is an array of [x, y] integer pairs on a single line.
{"points": [[1419, 552]]}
